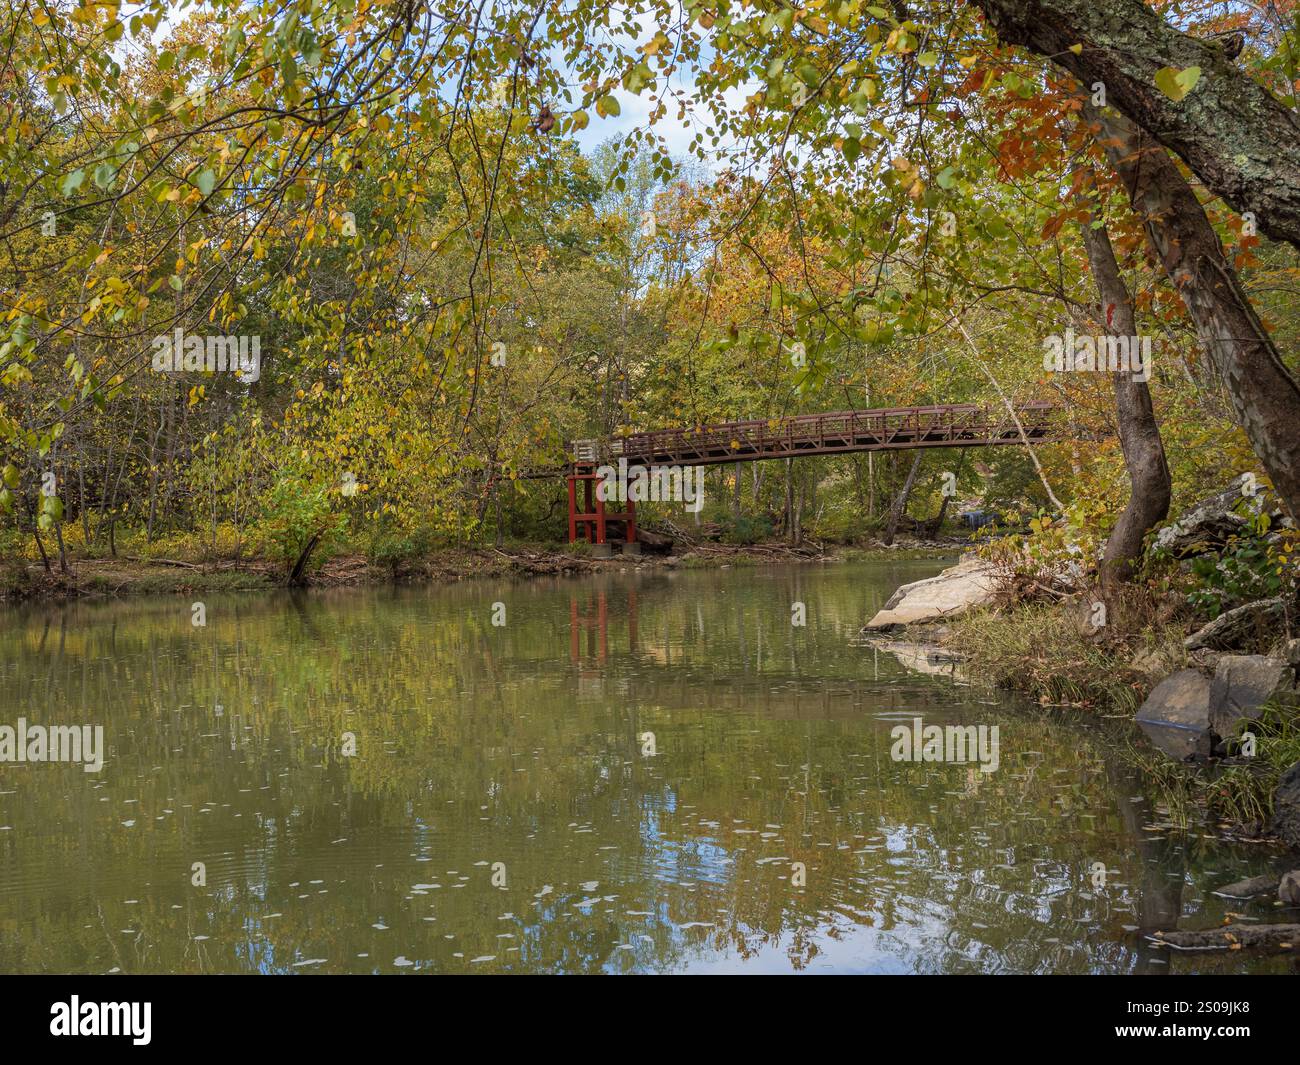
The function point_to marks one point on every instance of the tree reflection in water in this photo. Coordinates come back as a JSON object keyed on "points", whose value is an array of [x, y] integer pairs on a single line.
{"points": [[524, 745]]}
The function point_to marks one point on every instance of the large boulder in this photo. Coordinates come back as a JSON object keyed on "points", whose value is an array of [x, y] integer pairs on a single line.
{"points": [[1211, 523], [1286, 807], [1176, 715], [955, 590], [1243, 684]]}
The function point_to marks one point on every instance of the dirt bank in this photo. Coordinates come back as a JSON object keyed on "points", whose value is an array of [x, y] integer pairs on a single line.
{"points": [[123, 576]]}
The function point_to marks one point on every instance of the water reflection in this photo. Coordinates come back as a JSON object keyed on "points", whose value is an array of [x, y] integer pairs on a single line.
{"points": [[501, 812]]}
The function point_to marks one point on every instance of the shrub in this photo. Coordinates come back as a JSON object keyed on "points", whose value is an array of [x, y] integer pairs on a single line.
{"points": [[299, 526], [395, 547], [1249, 567], [745, 530]]}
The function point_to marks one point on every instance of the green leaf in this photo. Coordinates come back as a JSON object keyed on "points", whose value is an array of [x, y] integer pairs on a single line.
{"points": [[1176, 83], [607, 105], [927, 59], [206, 181], [72, 182]]}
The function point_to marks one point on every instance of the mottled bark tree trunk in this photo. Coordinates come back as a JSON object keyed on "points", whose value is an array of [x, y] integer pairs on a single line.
{"points": [[1264, 395], [1139, 435], [1233, 134], [900, 504]]}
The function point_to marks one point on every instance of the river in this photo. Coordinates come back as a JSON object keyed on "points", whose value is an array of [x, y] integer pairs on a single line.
{"points": [[650, 771]]}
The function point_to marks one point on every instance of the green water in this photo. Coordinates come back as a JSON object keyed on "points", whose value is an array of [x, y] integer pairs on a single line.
{"points": [[503, 811]]}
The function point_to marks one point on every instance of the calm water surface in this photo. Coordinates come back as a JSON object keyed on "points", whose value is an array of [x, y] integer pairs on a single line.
{"points": [[502, 812]]}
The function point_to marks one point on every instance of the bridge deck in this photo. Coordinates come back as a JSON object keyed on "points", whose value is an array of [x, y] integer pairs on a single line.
{"points": [[886, 429], [831, 433]]}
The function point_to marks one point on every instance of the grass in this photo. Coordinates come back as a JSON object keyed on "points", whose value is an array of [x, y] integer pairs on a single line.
{"points": [[736, 561], [159, 582], [875, 554], [1038, 649], [1241, 792]]}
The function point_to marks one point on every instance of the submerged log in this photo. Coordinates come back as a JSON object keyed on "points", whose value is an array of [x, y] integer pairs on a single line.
{"points": [[1233, 937], [1246, 889]]}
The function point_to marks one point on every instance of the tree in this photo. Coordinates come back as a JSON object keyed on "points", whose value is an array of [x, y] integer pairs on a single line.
{"points": [[1264, 395], [1144, 453], [1185, 91]]}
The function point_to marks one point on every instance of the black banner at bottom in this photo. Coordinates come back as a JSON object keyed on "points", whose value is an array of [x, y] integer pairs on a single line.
{"points": [[143, 1014]]}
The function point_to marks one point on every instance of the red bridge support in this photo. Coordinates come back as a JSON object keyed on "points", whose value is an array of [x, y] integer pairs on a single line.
{"points": [[592, 520]]}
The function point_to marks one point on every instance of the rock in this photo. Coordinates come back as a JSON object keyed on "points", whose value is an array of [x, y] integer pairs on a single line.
{"points": [[1288, 891], [1209, 525], [926, 658], [1089, 617], [1248, 889], [954, 591], [1286, 807], [1244, 683], [1233, 627], [1176, 715], [1292, 654], [1204, 659], [1153, 662]]}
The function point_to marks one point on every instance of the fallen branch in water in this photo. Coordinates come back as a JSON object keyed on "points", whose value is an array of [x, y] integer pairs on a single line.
{"points": [[1233, 937], [1256, 885]]}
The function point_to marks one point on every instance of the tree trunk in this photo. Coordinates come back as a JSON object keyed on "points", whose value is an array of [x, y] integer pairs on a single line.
{"points": [[1235, 135], [796, 529], [1139, 435], [153, 469], [1264, 395], [63, 551], [871, 484], [36, 534], [298, 576], [943, 503], [900, 504], [81, 497]]}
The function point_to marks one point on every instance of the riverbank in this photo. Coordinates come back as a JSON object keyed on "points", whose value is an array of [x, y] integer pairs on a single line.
{"points": [[135, 575], [1040, 650]]}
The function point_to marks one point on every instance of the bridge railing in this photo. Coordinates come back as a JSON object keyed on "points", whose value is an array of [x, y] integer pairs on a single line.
{"points": [[960, 422]]}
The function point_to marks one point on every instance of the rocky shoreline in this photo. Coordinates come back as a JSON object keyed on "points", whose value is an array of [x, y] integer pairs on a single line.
{"points": [[1210, 713]]}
